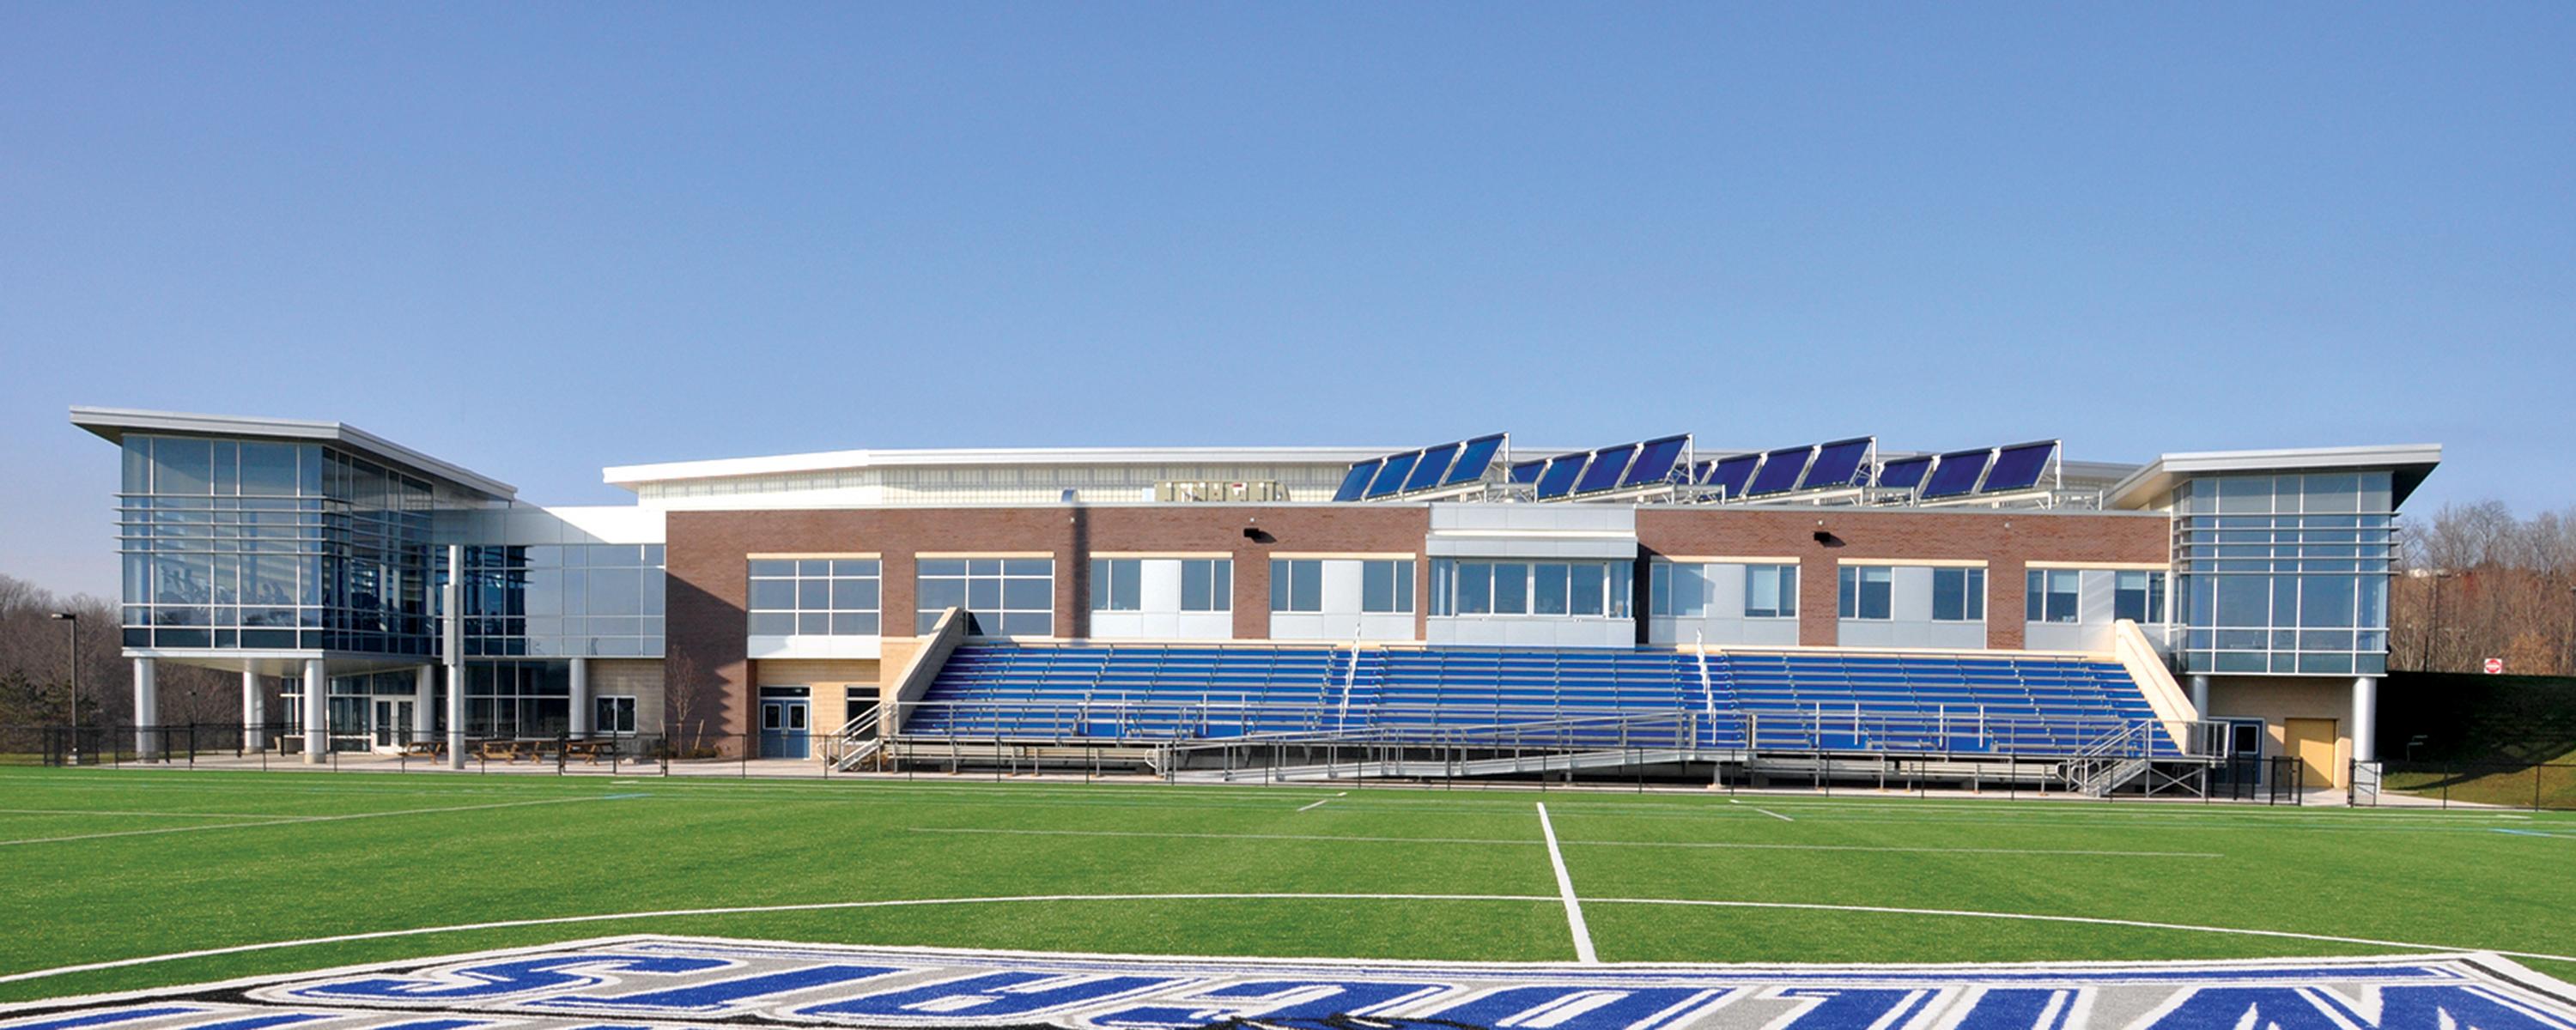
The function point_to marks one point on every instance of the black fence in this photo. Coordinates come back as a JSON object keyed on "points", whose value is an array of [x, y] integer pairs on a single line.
{"points": [[2537, 786]]}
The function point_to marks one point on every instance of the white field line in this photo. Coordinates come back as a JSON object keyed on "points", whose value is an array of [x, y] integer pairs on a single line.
{"points": [[1315, 805], [1565, 890], [1775, 815], [1727, 845], [166, 815], [236, 949], [294, 820]]}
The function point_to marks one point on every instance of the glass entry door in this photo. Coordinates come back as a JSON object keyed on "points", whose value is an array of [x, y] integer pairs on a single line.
{"points": [[393, 723], [783, 729]]}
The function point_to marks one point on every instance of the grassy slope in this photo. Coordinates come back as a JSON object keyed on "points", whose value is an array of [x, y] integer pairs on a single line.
{"points": [[2419, 877]]}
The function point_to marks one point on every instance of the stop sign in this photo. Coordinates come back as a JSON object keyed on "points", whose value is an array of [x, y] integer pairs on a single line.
{"points": [[2494, 666]]}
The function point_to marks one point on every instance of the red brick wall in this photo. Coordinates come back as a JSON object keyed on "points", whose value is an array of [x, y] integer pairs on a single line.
{"points": [[2004, 540]]}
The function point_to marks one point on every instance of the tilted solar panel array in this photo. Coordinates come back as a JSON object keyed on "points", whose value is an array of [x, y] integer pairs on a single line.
{"points": [[1439, 467], [2028, 705], [1980, 471], [1626, 466], [1839, 465]]}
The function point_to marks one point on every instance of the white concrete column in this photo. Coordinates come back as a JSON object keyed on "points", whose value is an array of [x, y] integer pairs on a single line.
{"points": [[424, 694], [254, 712], [2200, 693], [147, 708], [580, 697], [317, 713], [452, 647], [2365, 719]]}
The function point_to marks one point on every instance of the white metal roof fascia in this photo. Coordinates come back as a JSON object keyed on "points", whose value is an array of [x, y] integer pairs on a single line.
{"points": [[2157, 478], [111, 424], [631, 476]]}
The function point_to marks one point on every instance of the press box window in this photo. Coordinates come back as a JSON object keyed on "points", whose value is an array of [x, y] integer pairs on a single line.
{"points": [[1770, 591], [1386, 587], [2139, 597], [1866, 592], [1296, 585], [814, 597], [1207, 584], [1116, 586], [2053, 595], [1958, 595], [1010, 597], [614, 715]]}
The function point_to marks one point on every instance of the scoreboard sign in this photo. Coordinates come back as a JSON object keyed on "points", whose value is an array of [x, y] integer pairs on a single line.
{"points": [[656, 982]]}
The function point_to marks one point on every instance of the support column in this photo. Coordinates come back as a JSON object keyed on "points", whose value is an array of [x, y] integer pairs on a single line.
{"points": [[147, 708], [2365, 719], [2200, 693], [317, 713], [580, 726], [254, 712], [452, 644], [424, 694]]}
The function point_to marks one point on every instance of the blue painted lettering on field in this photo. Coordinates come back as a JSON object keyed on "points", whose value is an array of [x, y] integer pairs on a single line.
{"points": [[1273, 1002], [104, 1018], [2018, 1008], [503, 979], [992, 996], [722, 995], [1582, 1008], [1838, 1008], [2437, 1008]]}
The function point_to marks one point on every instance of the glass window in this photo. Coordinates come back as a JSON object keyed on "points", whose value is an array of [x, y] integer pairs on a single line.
{"points": [[1590, 589], [1867, 592], [1386, 587], [1511, 588], [1005, 596], [1296, 585], [1115, 585], [1677, 590], [1770, 591], [1959, 595], [812, 597], [2139, 596], [1207, 584], [1548, 589], [1475, 588]]}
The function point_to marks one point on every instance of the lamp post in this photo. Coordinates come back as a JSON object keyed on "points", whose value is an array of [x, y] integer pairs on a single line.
{"points": [[71, 621]]}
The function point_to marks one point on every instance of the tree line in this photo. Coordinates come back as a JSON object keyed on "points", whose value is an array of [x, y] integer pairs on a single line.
{"points": [[36, 662], [2477, 582]]}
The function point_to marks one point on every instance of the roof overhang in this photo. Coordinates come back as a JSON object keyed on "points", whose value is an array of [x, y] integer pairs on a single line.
{"points": [[2150, 485], [111, 424], [632, 476]]}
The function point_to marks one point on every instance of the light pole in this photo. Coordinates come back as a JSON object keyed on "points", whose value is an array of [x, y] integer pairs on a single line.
{"points": [[72, 621]]}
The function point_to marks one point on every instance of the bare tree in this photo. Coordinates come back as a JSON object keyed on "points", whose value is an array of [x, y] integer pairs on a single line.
{"points": [[2480, 583]]}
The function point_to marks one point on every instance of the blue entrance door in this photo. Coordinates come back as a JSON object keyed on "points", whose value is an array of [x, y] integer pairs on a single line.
{"points": [[783, 729]]}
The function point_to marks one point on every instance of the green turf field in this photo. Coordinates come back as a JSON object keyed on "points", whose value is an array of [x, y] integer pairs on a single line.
{"points": [[101, 865]]}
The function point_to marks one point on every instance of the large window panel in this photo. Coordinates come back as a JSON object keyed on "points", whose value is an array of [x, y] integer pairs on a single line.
{"points": [[1005, 596]]}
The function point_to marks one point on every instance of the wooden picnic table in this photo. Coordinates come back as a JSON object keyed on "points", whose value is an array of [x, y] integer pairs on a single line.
{"points": [[424, 749], [591, 749]]}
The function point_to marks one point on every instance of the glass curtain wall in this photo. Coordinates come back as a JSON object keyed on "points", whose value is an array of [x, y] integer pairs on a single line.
{"points": [[2285, 574]]}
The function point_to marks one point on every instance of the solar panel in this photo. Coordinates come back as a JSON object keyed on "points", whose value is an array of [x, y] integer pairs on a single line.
{"points": [[1473, 459], [1426, 473], [1780, 471], [1731, 474], [1655, 461], [1558, 481], [1957, 473], [2018, 466], [1607, 464], [1904, 473], [1356, 481], [1837, 463], [1527, 471], [1390, 476]]}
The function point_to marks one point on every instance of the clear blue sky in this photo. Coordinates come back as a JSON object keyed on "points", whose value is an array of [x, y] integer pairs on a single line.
{"points": [[540, 239]]}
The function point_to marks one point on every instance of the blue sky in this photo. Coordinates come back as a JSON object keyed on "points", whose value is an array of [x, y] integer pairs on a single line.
{"points": [[541, 239]]}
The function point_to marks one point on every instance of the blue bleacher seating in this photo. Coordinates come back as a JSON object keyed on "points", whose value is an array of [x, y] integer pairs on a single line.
{"points": [[1782, 701]]}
